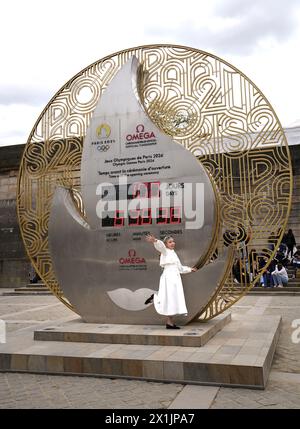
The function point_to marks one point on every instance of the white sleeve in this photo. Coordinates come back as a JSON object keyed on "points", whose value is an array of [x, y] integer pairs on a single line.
{"points": [[159, 245], [183, 269]]}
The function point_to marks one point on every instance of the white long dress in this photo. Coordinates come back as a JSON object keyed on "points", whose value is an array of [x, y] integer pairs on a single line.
{"points": [[170, 297]]}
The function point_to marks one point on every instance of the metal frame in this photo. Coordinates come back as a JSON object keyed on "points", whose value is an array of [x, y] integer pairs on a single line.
{"points": [[205, 104]]}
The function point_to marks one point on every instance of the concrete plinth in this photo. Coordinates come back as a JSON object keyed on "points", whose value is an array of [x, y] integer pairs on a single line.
{"points": [[239, 355], [192, 335]]}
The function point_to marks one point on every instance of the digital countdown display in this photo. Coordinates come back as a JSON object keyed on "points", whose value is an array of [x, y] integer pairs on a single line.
{"points": [[143, 191]]}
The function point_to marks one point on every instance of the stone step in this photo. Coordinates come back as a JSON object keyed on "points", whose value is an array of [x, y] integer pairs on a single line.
{"points": [[296, 189], [294, 225], [260, 289], [35, 285], [293, 219], [29, 289], [272, 292], [32, 289], [26, 293], [195, 334], [295, 207], [239, 355]]}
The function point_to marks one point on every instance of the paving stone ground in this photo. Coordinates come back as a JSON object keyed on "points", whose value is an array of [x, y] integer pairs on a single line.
{"points": [[44, 391], [278, 394], [19, 390]]}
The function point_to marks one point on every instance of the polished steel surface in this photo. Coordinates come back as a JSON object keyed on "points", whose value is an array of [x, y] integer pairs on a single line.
{"points": [[88, 280], [102, 276]]}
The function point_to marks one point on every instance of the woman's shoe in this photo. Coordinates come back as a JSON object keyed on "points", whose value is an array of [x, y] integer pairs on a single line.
{"points": [[172, 326], [149, 300]]}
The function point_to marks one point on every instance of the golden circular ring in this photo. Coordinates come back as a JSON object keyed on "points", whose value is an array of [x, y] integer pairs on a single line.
{"points": [[208, 106]]}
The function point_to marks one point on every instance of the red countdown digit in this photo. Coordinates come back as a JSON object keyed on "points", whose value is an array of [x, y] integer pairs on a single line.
{"points": [[175, 215], [140, 190], [135, 192], [163, 215], [146, 217], [134, 216], [154, 189], [119, 218]]}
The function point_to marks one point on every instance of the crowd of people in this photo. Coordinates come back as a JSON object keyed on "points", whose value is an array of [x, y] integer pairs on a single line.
{"points": [[246, 267]]}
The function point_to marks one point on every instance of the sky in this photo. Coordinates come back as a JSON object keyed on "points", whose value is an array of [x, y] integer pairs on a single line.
{"points": [[46, 42]]}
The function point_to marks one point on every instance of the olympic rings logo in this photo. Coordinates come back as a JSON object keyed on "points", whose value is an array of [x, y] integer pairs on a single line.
{"points": [[103, 148]]}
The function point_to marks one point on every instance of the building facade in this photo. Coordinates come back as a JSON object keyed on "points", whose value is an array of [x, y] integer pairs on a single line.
{"points": [[14, 263]]}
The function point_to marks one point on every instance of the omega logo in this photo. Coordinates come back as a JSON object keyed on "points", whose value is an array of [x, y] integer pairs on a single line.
{"points": [[140, 134], [140, 128], [132, 259]]}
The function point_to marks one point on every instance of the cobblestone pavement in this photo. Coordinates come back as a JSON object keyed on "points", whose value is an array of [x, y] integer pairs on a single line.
{"points": [[283, 388], [19, 390], [278, 394], [45, 391]]}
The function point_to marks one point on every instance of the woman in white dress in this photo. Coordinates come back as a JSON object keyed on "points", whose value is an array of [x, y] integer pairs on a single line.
{"points": [[169, 300]]}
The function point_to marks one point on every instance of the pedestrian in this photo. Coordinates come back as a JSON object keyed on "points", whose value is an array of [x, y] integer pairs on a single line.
{"points": [[296, 263], [169, 300], [280, 276], [290, 242]]}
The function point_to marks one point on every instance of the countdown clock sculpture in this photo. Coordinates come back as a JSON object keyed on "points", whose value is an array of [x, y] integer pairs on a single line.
{"points": [[159, 139]]}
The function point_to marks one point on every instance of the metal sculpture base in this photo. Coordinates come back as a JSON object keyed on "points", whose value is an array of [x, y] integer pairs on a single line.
{"points": [[195, 334], [238, 353]]}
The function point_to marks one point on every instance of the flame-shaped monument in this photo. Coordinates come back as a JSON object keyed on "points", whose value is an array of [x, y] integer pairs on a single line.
{"points": [[134, 180]]}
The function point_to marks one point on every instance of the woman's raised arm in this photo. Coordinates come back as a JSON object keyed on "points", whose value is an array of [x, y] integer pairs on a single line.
{"points": [[158, 244]]}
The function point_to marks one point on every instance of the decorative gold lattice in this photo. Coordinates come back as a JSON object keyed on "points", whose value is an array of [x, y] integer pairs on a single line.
{"points": [[206, 105]]}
